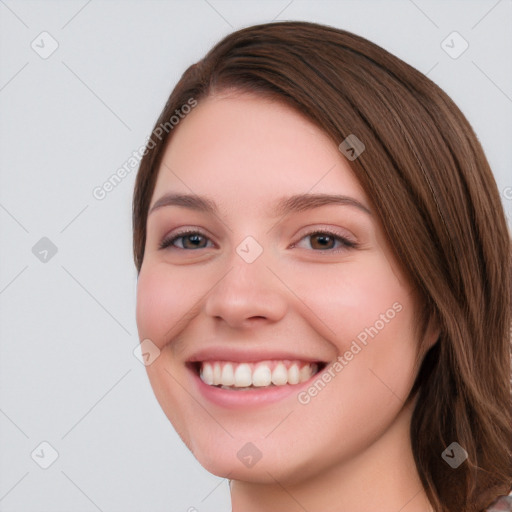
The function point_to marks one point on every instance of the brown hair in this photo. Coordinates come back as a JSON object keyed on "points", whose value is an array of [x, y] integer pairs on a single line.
{"points": [[431, 185]]}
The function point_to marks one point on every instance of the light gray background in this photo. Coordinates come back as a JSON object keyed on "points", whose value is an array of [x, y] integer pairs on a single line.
{"points": [[68, 375]]}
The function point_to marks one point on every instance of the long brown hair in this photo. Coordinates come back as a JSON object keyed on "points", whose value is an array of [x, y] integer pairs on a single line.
{"points": [[431, 185]]}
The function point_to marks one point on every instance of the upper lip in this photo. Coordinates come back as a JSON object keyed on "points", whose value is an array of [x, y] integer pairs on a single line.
{"points": [[247, 355]]}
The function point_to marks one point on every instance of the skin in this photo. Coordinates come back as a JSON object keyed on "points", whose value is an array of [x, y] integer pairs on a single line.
{"points": [[349, 447]]}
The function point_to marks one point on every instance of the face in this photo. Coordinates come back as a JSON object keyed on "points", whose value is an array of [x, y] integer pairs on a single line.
{"points": [[294, 311]]}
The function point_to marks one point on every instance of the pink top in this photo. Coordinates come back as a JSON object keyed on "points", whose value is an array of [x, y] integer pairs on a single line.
{"points": [[503, 504]]}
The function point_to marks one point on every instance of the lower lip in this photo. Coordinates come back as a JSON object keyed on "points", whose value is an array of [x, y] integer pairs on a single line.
{"points": [[248, 398]]}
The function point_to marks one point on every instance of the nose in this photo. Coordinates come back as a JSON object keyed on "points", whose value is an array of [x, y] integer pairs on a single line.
{"points": [[248, 293]]}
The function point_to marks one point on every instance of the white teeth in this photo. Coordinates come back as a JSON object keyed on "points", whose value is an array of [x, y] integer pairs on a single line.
{"points": [[293, 374], [228, 377], [279, 375], [217, 373], [207, 374], [305, 373], [262, 376], [245, 375]]}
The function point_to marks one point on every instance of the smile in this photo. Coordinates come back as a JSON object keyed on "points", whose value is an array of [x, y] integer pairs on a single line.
{"points": [[239, 376]]}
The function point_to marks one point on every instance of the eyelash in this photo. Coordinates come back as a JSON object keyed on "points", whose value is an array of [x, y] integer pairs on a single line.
{"points": [[346, 243]]}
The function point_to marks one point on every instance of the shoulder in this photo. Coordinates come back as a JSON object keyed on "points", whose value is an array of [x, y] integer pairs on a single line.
{"points": [[503, 504]]}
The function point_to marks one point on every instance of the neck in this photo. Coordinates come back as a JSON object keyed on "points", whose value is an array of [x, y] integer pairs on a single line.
{"points": [[383, 477]]}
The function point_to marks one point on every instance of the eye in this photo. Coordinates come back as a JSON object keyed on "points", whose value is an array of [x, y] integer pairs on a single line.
{"points": [[324, 240], [191, 239]]}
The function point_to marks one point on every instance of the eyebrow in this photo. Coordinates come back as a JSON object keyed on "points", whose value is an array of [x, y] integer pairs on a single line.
{"points": [[295, 203]]}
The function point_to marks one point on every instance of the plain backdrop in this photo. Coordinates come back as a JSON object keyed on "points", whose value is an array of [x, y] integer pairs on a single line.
{"points": [[69, 377]]}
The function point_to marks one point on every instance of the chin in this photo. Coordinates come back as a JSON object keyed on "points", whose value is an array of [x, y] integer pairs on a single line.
{"points": [[233, 461]]}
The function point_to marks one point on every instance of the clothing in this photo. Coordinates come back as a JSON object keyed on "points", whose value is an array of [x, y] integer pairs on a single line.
{"points": [[503, 504]]}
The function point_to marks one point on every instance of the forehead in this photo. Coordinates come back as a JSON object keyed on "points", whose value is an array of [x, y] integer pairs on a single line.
{"points": [[252, 148]]}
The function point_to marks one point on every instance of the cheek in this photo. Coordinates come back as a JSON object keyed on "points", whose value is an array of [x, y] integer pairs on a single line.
{"points": [[163, 299], [350, 298], [367, 313]]}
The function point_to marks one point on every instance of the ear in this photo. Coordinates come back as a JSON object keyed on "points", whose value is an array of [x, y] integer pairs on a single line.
{"points": [[432, 333]]}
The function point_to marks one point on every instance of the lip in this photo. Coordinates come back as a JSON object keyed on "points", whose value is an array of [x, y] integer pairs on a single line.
{"points": [[258, 397], [248, 356]]}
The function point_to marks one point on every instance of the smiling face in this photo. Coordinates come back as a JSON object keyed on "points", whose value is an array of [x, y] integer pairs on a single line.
{"points": [[275, 284]]}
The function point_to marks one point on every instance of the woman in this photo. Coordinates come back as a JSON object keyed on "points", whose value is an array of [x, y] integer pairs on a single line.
{"points": [[324, 264]]}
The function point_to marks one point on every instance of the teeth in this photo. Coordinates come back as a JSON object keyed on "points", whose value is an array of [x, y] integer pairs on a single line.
{"points": [[208, 374], [293, 374], [262, 376], [279, 375], [243, 377], [217, 374], [266, 373], [228, 377], [305, 373]]}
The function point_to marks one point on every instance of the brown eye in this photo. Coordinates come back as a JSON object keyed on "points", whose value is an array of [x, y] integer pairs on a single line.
{"points": [[323, 241], [326, 241]]}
